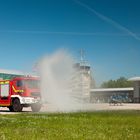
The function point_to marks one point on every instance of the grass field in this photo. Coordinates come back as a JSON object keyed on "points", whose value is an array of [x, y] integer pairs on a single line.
{"points": [[105, 125]]}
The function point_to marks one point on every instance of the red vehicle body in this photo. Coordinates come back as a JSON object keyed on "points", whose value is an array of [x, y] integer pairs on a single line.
{"points": [[20, 92]]}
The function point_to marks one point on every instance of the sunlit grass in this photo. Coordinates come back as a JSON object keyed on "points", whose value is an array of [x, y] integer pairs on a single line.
{"points": [[113, 125]]}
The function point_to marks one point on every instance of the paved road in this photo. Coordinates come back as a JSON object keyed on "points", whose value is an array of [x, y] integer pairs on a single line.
{"points": [[84, 107]]}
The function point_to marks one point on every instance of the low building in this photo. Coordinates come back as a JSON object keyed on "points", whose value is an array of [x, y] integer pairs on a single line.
{"points": [[136, 84], [104, 94], [8, 74]]}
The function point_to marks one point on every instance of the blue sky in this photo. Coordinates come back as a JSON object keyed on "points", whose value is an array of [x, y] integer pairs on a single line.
{"points": [[108, 31]]}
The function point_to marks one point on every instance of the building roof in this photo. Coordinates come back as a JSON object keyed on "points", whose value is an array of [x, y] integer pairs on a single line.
{"points": [[112, 89], [134, 79], [15, 72]]}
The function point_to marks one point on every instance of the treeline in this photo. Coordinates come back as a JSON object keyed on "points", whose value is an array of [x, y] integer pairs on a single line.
{"points": [[122, 82]]}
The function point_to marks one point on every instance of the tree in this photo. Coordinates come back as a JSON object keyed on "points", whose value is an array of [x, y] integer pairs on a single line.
{"points": [[119, 83]]}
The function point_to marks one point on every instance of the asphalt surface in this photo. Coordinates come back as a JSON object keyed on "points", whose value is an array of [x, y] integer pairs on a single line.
{"points": [[48, 108]]}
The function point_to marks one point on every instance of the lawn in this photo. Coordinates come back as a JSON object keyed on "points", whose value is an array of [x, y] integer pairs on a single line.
{"points": [[101, 125]]}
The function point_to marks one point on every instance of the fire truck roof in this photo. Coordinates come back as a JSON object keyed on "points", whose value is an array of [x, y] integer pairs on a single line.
{"points": [[26, 78]]}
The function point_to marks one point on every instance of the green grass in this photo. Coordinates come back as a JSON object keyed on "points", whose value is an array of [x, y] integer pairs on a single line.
{"points": [[111, 125]]}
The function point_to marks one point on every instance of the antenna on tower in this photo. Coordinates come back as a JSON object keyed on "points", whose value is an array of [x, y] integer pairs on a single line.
{"points": [[82, 55], [83, 61]]}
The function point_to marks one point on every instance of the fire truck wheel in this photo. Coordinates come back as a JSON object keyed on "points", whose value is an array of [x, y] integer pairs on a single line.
{"points": [[36, 107], [11, 108], [16, 106]]}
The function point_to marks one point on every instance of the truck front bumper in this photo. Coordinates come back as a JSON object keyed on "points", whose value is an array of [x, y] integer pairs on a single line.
{"points": [[29, 100]]}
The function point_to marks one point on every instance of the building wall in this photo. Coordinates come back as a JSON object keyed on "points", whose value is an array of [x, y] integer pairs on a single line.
{"points": [[4, 76], [80, 85], [137, 91], [104, 96]]}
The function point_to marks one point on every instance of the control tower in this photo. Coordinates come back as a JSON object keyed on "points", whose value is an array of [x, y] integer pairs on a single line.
{"points": [[83, 79]]}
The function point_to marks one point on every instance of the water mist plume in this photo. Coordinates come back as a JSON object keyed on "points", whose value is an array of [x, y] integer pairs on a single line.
{"points": [[56, 70]]}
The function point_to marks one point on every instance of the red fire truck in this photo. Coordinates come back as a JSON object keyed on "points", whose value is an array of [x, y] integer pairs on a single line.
{"points": [[20, 92]]}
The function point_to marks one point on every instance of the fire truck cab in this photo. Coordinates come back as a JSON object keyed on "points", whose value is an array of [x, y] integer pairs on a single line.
{"points": [[20, 92]]}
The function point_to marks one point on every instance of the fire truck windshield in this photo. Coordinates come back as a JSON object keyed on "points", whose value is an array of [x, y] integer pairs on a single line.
{"points": [[32, 83]]}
